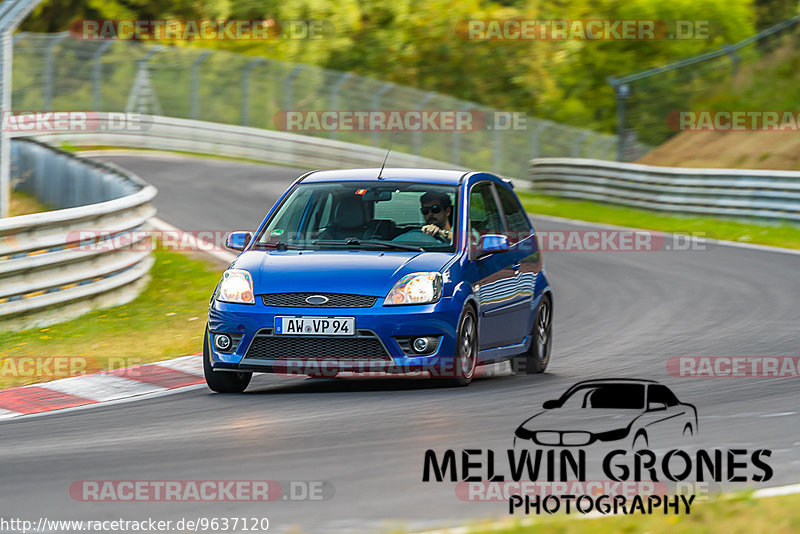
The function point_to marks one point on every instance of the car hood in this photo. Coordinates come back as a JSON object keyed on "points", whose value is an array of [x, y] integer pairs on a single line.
{"points": [[358, 272], [593, 420]]}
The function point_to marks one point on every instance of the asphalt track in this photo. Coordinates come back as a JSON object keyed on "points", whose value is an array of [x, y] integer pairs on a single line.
{"points": [[617, 315]]}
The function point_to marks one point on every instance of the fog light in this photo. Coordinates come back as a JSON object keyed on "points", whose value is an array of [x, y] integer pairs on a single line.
{"points": [[420, 344], [222, 341]]}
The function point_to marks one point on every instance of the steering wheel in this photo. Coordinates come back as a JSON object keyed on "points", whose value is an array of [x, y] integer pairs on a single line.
{"points": [[417, 237]]}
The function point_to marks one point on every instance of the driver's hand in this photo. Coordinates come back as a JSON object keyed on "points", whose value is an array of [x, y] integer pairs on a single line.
{"points": [[431, 230]]}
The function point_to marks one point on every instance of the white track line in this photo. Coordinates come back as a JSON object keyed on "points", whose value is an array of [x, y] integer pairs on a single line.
{"points": [[89, 406], [8, 414], [200, 245], [100, 387], [192, 365]]}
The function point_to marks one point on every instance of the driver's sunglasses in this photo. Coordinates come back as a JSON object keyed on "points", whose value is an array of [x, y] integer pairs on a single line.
{"points": [[434, 209]]}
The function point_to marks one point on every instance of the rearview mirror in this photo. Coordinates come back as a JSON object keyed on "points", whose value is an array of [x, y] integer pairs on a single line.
{"points": [[492, 243], [656, 406], [549, 405], [238, 240]]}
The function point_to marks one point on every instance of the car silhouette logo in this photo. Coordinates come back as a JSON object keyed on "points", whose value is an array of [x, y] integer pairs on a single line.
{"points": [[317, 300], [640, 412]]}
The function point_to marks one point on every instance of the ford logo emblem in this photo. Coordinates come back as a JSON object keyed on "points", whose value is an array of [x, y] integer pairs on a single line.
{"points": [[317, 300]]}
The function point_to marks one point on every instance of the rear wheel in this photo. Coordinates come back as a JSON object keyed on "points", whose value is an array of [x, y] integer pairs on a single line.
{"points": [[223, 381], [537, 357], [466, 357]]}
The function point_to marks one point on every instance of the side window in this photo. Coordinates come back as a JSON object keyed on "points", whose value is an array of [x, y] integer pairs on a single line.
{"points": [[658, 393], [484, 216], [519, 227]]}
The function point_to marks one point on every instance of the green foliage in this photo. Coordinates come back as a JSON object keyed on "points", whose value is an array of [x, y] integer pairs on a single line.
{"points": [[414, 42]]}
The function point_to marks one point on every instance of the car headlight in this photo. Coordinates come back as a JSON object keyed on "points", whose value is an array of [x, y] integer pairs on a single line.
{"points": [[415, 288], [236, 286]]}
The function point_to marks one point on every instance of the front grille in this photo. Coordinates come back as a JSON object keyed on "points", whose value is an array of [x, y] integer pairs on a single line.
{"points": [[364, 346], [335, 300]]}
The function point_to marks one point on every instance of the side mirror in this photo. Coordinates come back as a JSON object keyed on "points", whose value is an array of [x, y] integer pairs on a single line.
{"points": [[656, 406], [549, 405], [238, 240], [492, 243]]}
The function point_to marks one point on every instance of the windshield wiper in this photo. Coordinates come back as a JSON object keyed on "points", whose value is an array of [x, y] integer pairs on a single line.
{"points": [[278, 246], [357, 242]]}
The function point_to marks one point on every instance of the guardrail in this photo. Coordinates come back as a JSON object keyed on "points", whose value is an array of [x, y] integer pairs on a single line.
{"points": [[187, 135], [47, 272], [55, 72], [731, 192]]}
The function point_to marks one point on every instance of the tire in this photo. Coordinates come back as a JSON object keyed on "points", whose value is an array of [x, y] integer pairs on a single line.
{"points": [[466, 358], [534, 361], [223, 381]]}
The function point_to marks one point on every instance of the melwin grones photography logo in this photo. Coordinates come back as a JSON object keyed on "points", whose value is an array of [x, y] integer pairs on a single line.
{"points": [[604, 446]]}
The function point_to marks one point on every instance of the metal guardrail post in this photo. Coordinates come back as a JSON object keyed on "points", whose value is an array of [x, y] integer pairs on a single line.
{"points": [[142, 83], [376, 106], [734, 58], [417, 135], [12, 12], [47, 91], [334, 102], [576, 145], [287, 87], [244, 118], [536, 143], [97, 73], [622, 92], [194, 107]]}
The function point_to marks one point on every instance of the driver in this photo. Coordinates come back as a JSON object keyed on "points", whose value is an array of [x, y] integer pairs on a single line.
{"points": [[436, 209]]}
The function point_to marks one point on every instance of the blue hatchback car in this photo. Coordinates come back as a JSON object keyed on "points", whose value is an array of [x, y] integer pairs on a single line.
{"points": [[400, 271]]}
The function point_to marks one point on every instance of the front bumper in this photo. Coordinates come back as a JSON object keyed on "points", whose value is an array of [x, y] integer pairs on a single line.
{"points": [[388, 325]]}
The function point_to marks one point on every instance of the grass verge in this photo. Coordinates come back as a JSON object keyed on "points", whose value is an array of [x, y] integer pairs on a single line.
{"points": [[735, 514], [165, 321], [24, 204], [774, 234]]}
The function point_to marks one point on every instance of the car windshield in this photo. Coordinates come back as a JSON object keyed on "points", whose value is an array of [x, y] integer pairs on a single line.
{"points": [[614, 396], [364, 215]]}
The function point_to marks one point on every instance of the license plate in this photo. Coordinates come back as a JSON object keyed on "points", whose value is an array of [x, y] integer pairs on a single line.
{"points": [[315, 326]]}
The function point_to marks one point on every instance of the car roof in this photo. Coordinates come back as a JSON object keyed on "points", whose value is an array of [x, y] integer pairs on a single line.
{"points": [[433, 176], [615, 381]]}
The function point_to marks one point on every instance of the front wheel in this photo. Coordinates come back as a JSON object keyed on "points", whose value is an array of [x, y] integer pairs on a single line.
{"points": [[223, 381], [537, 357], [466, 358]]}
